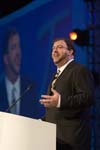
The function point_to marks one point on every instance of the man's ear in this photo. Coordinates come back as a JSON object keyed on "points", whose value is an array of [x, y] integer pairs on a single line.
{"points": [[71, 52]]}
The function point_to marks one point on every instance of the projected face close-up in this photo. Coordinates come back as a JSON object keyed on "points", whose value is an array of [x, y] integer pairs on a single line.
{"points": [[12, 58]]}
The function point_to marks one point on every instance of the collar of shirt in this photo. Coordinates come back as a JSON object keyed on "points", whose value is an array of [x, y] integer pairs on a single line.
{"points": [[9, 87], [64, 66]]}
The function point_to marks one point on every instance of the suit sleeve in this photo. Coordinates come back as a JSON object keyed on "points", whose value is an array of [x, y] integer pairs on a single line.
{"points": [[82, 95]]}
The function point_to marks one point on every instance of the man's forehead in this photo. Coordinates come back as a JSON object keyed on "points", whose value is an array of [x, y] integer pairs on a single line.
{"points": [[59, 42]]}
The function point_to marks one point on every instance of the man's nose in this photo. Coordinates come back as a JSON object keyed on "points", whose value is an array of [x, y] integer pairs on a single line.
{"points": [[55, 49], [18, 52]]}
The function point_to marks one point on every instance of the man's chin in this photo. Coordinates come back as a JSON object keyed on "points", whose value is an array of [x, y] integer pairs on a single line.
{"points": [[56, 62], [17, 71]]}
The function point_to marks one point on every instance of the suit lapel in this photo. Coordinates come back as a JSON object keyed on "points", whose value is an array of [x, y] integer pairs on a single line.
{"points": [[3, 95], [60, 77]]}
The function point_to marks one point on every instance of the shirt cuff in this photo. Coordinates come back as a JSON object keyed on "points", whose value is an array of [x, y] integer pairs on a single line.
{"points": [[59, 102]]}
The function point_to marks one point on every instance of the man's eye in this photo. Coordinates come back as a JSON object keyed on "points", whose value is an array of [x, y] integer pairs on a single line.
{"points": [[60, 46]]}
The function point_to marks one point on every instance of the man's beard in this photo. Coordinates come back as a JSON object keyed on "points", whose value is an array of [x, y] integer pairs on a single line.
{"points": [[61, 59]]}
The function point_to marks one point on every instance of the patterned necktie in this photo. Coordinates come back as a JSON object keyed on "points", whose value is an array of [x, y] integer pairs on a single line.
{"points": [[13, 110], [55, 78]]}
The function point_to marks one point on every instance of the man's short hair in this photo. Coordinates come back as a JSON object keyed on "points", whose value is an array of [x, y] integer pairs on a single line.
{"points": [[10, 33]]}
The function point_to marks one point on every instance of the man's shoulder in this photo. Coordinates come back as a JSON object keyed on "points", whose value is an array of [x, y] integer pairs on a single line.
{"points": [[79, 65], [2, 77], [27, 82], [26, 79]]}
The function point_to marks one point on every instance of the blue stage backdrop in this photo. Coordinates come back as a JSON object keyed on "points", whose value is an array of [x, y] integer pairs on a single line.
{"points": [[38, 24]]}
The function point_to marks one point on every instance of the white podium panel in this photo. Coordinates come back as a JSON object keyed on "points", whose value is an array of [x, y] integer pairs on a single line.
{"points": [[22, 133]]}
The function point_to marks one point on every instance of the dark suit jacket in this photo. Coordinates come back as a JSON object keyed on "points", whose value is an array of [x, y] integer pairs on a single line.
{"points": [[75, 85], [28, 103]]}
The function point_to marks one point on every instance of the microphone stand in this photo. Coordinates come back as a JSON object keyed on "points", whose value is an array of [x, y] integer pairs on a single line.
{"points": [[19, 98]]}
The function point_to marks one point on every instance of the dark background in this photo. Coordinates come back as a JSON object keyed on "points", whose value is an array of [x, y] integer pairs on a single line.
{"points": [[9, 6]]}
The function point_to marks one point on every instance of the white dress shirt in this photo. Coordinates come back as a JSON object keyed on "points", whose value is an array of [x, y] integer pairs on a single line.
{"points": [[9, 87]]}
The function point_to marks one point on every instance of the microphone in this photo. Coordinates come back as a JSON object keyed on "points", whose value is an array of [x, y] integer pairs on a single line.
{"points": [[19, 98]]}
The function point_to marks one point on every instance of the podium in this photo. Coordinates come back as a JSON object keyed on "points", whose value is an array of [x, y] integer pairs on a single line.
{"points": [[23, 133]]}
